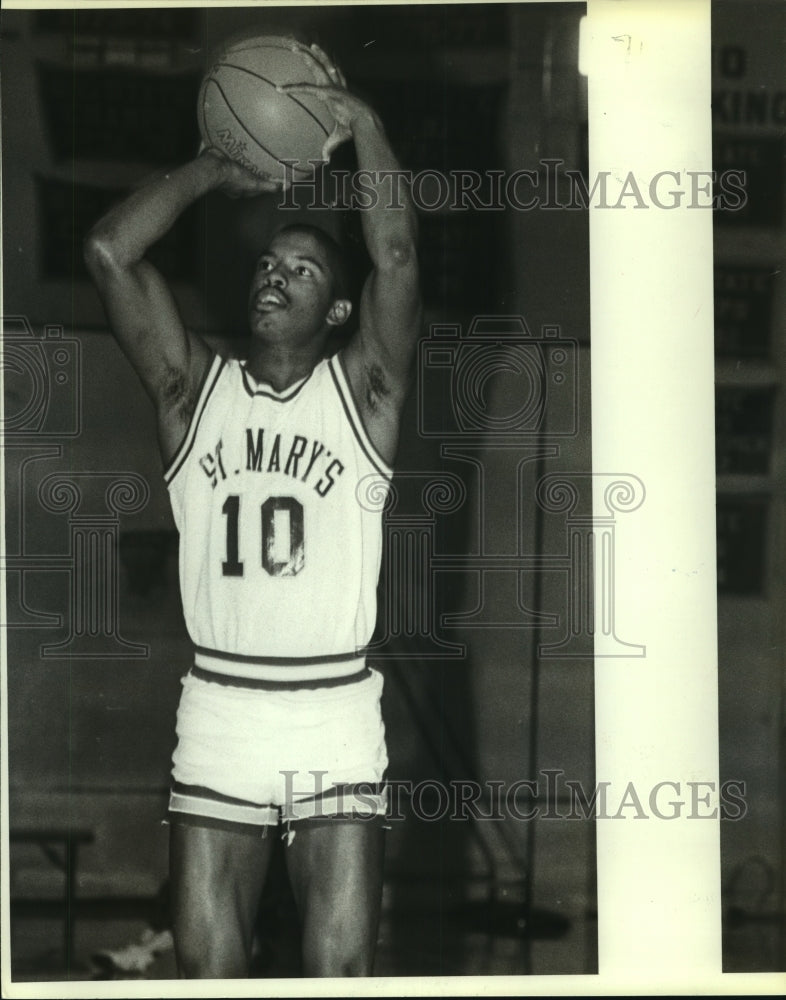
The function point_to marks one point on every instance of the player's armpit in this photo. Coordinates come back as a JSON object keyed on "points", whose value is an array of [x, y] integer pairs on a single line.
{"points": [[379, 360], [391, 317], [178, 402], [378, 398]]}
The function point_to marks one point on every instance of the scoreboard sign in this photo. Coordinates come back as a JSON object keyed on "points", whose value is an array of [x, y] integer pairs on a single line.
{"points": [[742, 531], [743, 429], [749, 118], [759, 159], [743, 310]]}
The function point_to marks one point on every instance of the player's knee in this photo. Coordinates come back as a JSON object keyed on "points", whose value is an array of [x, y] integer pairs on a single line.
{"points": [[336, 953], [207, 965], [209, 956]]}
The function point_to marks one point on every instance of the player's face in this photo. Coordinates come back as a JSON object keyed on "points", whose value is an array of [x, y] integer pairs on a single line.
{"points": [[292, 289]]}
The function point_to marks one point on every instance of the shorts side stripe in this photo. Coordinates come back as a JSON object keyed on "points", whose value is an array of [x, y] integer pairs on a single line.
{"points": [[200, 792], [352, 801], [222, 808], [184, 819], [368, 788]]}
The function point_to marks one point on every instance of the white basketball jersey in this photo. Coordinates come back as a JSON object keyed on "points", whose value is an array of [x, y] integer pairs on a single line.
{"points": [[278, 499]]}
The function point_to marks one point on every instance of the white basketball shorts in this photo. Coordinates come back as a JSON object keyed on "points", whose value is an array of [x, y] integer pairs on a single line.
{"points": [[249, 758]]}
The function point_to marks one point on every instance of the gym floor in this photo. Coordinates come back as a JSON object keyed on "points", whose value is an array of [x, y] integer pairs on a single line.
{"points": [[436, 920], [414, 940]]}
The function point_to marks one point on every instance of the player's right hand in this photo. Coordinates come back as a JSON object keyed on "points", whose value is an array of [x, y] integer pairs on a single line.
{"points": [[238, 182]]}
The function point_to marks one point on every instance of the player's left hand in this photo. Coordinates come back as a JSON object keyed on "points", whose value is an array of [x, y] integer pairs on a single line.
{"points": [[346, 109]]}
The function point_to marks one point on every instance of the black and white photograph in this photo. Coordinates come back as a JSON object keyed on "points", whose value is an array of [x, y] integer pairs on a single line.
{"points": [[394, 477]]}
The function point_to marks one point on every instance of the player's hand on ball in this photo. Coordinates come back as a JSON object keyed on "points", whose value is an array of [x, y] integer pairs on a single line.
{"points": [[325, 71], [239, 182], [346, 109]]}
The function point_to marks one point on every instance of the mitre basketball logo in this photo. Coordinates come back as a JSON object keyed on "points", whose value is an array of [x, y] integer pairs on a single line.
{"points": [[232, 145], [235, 149]]}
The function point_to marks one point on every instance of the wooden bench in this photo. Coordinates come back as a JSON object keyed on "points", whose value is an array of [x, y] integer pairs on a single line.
{"points": [[60, 846]]}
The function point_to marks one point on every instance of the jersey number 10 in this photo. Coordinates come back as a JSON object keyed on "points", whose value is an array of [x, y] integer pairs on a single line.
{"points": [[282, 536]]}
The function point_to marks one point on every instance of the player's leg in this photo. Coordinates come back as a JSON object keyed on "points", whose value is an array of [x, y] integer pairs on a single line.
{"points": [[336, 873], [217, 876]]}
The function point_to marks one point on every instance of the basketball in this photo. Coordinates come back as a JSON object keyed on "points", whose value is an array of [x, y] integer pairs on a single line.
{"points": [[241, 113]]}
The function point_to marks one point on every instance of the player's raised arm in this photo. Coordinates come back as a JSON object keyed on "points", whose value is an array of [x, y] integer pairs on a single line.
{"points": [[379, 358], [139, 305]]}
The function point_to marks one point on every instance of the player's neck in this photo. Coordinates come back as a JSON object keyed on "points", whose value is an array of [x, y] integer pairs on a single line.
{"points": [[279, 366]]}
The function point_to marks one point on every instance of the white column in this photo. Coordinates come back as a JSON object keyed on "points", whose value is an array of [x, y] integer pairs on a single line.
{"points": [[652, 415]]}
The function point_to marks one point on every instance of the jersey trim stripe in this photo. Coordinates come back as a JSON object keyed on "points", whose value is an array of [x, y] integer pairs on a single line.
{"points": [[208, 385], [281, 661], [280, 669], [249, 384], [336, 366], [257, 683]]}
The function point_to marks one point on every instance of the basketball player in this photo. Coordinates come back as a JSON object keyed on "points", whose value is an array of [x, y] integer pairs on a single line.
{"points": [[268, 462]]}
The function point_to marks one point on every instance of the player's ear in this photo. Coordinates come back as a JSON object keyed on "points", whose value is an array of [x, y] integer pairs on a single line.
{"points": [[339, 312]]}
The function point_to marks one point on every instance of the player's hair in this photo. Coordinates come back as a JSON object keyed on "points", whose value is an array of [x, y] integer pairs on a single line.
{"points": [[339, 266]]}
